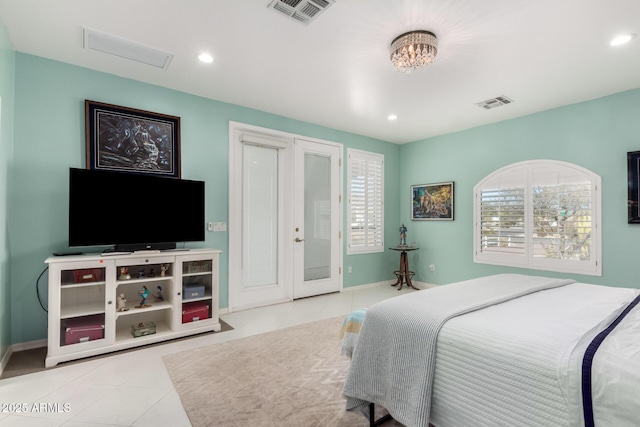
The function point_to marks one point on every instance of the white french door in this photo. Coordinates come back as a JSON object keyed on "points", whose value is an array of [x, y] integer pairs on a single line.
{"points": [[285, 213], [317, 267]]}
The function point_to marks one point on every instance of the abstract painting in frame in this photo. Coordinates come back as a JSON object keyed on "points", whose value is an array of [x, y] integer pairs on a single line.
{"points": [[129, 140], [432, 201]]}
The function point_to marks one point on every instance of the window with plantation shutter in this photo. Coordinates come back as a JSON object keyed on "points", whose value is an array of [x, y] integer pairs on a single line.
{"points": [[541, 215], [365, 202]]}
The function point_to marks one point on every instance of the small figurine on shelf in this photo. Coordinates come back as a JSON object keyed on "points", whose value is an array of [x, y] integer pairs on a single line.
{"points": [[122, 303], [163, 269], [124, 274], [140, 273], [403, 236], [144, 294], [159, 296], [151, 273]]}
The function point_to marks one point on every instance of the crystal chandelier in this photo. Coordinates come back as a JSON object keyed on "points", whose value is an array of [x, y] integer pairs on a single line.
{"points": [[413, 50]]}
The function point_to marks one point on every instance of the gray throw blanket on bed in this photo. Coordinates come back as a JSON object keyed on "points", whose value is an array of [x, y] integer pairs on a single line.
{"points": [[394, 362]]}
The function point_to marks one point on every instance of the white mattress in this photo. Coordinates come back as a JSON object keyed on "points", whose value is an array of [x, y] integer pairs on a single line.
{"points": [[496, 372]]}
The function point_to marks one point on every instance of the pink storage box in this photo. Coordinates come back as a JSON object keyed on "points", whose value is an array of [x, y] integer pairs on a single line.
{"points": [[194, 311], [83, 329]]}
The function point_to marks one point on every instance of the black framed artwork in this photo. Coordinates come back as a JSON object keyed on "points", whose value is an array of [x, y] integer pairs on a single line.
{"points": [[130, 140], [633, 177]]}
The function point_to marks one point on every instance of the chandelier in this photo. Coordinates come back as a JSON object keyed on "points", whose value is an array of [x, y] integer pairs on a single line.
{"points": [[413, 50]]}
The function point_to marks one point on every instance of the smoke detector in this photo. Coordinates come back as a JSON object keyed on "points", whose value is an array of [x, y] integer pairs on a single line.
{"points": [[303, 11], [498, 101]]}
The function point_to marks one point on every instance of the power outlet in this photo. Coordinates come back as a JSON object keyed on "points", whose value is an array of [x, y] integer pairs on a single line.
{"points": [[432, 267], [349, 270]]}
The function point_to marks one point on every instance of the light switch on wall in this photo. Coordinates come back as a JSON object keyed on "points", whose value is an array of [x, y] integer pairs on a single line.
{"points": [[219, 226]]}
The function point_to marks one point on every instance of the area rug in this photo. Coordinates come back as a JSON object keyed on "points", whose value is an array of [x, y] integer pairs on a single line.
{"points": [[288, 377]]}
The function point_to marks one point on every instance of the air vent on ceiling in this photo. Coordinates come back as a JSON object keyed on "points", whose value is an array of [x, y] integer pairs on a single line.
{"points": [[498, 101], [303, 11], [126, 49]]}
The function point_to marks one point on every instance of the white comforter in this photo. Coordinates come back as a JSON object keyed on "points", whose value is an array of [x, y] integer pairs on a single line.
{"points": [[518, 363]]}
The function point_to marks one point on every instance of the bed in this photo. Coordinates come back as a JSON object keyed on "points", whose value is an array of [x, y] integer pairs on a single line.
{"points": [[505, 350]]}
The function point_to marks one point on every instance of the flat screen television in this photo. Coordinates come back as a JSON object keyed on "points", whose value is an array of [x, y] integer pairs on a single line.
{"points": [[133, 211]]}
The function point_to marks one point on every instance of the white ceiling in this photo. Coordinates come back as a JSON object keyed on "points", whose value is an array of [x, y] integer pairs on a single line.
{"points": [[336, 72]]}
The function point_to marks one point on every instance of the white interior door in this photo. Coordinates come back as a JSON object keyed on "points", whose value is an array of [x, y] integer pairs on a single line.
{"points": [[260, 188], [317, 249]]}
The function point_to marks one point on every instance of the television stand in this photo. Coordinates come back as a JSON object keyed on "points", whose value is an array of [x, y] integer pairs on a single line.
{"points": [[98, 304]]}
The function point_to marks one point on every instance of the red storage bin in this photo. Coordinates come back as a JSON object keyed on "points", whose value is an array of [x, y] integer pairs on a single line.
{"points": [[195, 311], [88, 275], [83, 329]]}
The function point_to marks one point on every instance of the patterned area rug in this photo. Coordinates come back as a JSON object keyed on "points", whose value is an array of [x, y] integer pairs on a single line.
{"points": [[289, 377]]}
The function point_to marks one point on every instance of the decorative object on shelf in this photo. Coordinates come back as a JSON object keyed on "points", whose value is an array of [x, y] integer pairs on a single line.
{"points": [[163, 269], [143, 328], [412, 50], [140, 273], [159, 295], [432, 201], [403, 235], [130, 140], [122, 303], [124, 274], [144, 294], [152, 273]]}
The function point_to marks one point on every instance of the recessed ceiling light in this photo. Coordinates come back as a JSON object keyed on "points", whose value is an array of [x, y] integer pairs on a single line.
{"points": [[625, 38], [392, 117], [205, 57]]}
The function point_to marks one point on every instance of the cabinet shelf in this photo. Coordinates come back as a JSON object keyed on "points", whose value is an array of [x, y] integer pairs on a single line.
{"points": [[79, 310], [82, 285], [161, 305]]}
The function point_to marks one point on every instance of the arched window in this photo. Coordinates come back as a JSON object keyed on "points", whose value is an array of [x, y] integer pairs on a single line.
{"points": [[539, 214]]}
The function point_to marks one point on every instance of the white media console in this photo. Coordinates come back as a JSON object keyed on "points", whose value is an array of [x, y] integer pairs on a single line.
{"points": [[96, 301]]}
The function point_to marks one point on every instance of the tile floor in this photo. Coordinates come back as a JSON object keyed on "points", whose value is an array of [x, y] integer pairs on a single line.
{"points": [[134, 388]]}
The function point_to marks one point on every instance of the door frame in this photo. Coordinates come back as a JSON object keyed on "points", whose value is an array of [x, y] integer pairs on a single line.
{"points": [[235, 211]]}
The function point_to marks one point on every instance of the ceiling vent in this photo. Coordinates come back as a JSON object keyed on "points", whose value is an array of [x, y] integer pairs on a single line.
{"points": [[498, 101], [126, 49], [303, 11]]}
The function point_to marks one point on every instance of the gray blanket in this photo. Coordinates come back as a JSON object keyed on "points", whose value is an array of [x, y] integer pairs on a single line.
{"points": [[394, 361]]}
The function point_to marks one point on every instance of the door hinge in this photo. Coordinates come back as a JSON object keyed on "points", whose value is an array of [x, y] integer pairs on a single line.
{"points": [[339, 270], [340, 161], [340, 198], [339, 234]]}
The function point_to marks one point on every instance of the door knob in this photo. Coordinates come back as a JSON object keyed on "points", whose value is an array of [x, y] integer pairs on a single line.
{"points": [[298, 240]]}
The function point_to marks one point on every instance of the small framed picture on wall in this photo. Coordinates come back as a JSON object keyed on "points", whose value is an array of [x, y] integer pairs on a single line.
{"points": [[432, 202]]}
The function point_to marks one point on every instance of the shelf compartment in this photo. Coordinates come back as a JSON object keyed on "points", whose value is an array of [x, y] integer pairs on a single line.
{"points": [[161, 318], [82, 276]]}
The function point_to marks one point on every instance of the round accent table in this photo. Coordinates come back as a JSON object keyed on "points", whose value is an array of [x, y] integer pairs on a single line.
{"points": [[404, 275]]}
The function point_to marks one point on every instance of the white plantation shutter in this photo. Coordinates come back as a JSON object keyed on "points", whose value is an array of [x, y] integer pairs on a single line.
{"points": [[365, 217], [539, 214]]}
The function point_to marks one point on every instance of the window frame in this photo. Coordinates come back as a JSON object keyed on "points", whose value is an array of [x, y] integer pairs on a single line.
{"points": [[368, 247], [522, 173]]}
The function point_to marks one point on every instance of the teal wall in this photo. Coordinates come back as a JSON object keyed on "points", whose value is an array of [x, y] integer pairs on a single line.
{"points": [[7, 64], [49, 138], [596, 135], [42, 135]]}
